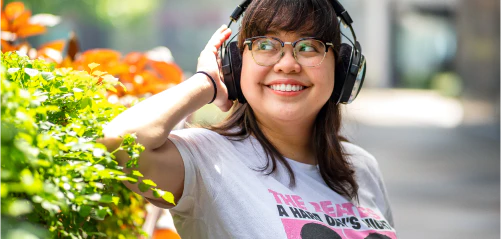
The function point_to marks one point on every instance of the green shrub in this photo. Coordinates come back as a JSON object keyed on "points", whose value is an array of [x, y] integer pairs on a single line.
{"points": [[57, 182]]}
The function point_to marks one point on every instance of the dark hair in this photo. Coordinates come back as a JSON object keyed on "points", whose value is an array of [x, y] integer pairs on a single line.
{"points": [[312, 17], [316, 18]]}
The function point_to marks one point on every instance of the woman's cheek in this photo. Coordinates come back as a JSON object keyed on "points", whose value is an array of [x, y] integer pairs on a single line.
{"points": [[252, 76]]}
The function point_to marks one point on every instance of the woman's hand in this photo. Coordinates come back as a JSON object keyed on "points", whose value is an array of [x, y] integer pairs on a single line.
{"points": [[209, 62]]}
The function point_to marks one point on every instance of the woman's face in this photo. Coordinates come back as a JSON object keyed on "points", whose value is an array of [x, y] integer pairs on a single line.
{"points": [[262, 85]]}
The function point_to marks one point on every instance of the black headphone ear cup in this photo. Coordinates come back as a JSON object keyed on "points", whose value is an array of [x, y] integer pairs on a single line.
{"points": [[358, 77], [232, 68], [228, 74], [341, 71], [355, 75], [351, 74]]}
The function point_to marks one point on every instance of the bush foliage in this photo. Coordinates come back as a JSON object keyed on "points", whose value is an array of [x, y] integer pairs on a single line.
{"points": [[57, 182]]}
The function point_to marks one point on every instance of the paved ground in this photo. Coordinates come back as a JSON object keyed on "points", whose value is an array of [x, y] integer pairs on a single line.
{"points": [[443, 183]]}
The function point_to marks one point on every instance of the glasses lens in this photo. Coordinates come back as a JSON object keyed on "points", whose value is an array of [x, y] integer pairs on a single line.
{"points": [[310, 52], [266, 51]]}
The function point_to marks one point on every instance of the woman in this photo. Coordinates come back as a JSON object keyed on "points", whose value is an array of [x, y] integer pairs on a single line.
{"points": [[276, 167]]}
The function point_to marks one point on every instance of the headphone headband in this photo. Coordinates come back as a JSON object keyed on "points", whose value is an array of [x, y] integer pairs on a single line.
{"points": [[239, 10], [338, 9], [341, 12]]}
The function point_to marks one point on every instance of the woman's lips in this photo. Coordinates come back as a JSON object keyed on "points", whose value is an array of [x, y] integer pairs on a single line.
{"points": [[287, 90]]}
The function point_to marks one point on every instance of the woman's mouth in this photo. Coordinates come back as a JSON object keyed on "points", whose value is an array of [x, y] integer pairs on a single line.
{"points": [[287, 87]]}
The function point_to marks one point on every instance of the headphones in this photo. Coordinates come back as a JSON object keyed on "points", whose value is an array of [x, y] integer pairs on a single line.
{"points": [[349, 73]]}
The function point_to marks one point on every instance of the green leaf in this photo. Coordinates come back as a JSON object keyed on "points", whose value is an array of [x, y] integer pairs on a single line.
{"points": [[43, 163], [48, 76], [4, 189], [8, 132], [106, 199], [94, 197], [149, 182], [85, 102], [13, 70], [103, 212], [93, 65], [31, 72], [98, 73], [116, 200], [84, 210], [19, 207], [167, 196], [125, 178], [143, 187], [63, 88], [137, 173], [99, 234]]}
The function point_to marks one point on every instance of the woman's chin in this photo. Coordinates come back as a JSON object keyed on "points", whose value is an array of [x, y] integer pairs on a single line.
{"points": [[288, 113]]}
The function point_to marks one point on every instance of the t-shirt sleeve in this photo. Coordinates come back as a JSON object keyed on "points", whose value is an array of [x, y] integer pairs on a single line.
{"points": [[369, 177], [386, 209], [199, 149]]}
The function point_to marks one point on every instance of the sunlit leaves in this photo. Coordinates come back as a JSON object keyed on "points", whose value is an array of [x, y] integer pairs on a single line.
{"points": [[18, 207], [53, 171], [133, 149], [167, 196], [137, 173], [93, 65]]}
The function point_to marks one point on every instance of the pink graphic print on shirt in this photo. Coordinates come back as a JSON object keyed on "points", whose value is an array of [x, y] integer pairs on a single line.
{"points": [[324, 219]]}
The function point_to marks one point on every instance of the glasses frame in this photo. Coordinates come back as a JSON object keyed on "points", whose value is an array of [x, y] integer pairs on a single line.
{"points": [[249, 41]]}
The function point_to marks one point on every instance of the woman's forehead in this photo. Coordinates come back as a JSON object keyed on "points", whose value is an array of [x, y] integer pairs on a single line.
{"points": [[288, 34], [305, 27]]}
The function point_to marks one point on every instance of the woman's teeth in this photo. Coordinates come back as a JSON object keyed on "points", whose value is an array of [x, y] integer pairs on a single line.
{"points": [[284, 87]]}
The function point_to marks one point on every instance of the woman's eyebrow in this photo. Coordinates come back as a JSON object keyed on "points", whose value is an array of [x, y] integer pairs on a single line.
{"points": [[307, 34]]}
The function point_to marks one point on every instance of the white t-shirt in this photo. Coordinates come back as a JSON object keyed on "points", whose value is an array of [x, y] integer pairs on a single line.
{"points": [[226, 196]]}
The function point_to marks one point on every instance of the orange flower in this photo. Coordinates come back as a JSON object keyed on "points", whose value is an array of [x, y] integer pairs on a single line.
{"points": [[141, 73], [16, 23]]}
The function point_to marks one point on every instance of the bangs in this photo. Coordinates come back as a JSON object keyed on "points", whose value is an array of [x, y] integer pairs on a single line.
{"points": [[314, 18]]}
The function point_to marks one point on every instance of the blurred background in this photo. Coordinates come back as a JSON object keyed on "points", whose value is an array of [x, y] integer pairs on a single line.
{"points": [[429, 109]]}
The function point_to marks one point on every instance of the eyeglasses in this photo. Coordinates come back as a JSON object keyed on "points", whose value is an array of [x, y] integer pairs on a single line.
{"points": [[267, 51]]}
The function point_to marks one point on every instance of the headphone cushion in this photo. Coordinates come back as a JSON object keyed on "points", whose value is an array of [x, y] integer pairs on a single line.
{"points": [[236, 66], [342, 68], [232, 78]]}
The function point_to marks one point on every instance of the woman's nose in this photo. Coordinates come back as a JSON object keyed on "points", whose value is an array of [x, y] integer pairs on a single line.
{"points": [[287, 62]]}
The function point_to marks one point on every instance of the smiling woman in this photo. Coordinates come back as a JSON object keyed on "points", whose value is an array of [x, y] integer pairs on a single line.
{"points": [[277, 166]]}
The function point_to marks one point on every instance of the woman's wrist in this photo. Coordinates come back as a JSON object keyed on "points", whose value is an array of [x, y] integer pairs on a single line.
{"points": [[213, 81], [206, 86]]}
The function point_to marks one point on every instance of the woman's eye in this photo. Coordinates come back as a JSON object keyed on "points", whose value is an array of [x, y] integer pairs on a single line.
{"points": [[265, 45], [307, 48]]}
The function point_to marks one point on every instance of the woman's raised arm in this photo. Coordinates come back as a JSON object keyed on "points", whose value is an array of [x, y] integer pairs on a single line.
{"points": [[153, 119]]}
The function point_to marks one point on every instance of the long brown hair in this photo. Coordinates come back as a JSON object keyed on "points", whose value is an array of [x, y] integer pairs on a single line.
{"points": [[317, 18]]}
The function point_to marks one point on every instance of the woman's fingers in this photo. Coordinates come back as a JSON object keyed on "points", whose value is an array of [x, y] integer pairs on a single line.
{"points": [[218, 38], [210, 62]]}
